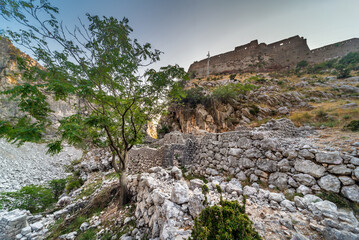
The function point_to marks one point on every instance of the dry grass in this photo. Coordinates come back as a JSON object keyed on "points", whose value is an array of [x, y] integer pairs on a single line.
{"points": [[330, 114]]}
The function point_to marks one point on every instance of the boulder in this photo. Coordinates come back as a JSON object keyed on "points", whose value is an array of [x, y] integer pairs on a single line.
{"points": [[267, 165], [340, 170], [307, 166], [346, 180], [195, 183], [176, 173], [279, 180], [351, 192], [304, 190], [278, 197], [304, 179], [179, 193], [329, 157], [247, 190], [195, 203], [329, 183], [306, 154]]}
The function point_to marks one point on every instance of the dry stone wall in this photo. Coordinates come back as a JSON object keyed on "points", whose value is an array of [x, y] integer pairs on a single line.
{"points": [[276, 154]]}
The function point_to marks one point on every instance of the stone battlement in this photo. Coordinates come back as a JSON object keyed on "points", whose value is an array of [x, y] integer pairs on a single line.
{"points": [[262, 57]]}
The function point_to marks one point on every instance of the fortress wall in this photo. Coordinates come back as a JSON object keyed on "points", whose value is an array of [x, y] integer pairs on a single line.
{"points": [[335, 50], [282, 54]]}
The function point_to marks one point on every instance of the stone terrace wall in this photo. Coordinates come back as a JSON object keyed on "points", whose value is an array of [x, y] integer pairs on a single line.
{"points": [[142, 159], [275, 154], [288, 164]]}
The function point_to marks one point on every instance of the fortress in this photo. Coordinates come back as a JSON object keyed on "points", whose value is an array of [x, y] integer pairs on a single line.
{"points": [[281, 55]]}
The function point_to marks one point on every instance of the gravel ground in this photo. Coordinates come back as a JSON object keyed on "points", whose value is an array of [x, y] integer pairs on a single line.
{"points": [[29, 164]]}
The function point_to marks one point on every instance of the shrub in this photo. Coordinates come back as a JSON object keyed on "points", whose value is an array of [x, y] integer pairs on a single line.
{"points": [[254, 110], [34, 198], [227, 221], [73, 181], [302, 64], [352, 126], [232, 76], [343, 72], [350, 58], [164, 129], [193, 97], [57, 186], [231, 91], [321, 115]]}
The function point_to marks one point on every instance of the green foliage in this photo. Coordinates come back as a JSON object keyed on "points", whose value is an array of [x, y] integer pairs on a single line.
{"points": [[302, 64], [343, 71], [318, 68], [57, 186], [350, 58], [257, 79], [34, 198], [164, 129], [87, 235], [219, 189], [340, 201], [321, 115], [189, 176], [226, 221], [232, 76], [73, 182], [194, 96], [98, 62], [231, 91], [352, 126], [254, 110], [205, 189]]}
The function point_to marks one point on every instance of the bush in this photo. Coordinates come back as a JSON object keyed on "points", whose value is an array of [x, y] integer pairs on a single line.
{"points": [[193, 97], [227, 221], [73, 181], [232, 76], [57, 186], [254, 110], [350, 58], [302, 64], [352, 126], [33, 198], [231, 91], [343, 72]]}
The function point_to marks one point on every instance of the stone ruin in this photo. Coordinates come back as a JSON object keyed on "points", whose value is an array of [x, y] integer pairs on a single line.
{"points": [[276, 154], [260, 57]]}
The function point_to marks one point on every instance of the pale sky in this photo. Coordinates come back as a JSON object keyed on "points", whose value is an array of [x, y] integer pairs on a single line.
{"points": [[185, 30]]}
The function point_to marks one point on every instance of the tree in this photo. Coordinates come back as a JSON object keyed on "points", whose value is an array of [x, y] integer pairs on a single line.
{"points": [[97, 63]]}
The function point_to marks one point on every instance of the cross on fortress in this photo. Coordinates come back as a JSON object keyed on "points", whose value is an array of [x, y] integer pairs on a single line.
{"points": [[284, 54]]}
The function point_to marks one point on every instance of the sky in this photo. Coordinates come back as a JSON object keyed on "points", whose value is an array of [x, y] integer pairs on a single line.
{"points": [[185, 30]]}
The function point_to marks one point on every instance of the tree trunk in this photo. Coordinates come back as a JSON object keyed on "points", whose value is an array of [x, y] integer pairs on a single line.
{"points": [[121, 171], [124, 195]]}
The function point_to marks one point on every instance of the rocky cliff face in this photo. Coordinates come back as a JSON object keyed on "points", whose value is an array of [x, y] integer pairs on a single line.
{"points": [[28, 164], [10, 76]]}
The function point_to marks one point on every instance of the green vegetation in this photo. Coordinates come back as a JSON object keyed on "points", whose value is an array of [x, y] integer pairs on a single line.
{"points": [[73, 181], [194, 96], [57, 186], [35, 198], [227, 220], [352, 126], [302, 64], [232, 76], [231, 91], [340, 201], [115, 83], [189, 176]]}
